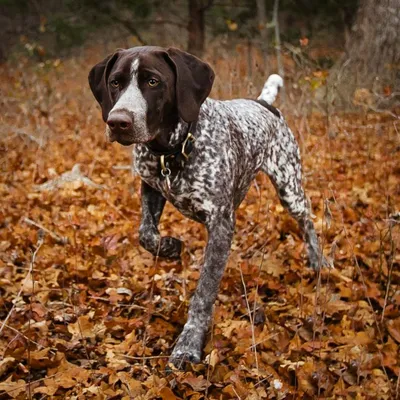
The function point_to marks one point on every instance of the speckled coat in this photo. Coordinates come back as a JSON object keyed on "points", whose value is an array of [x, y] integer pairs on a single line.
{"points": [[233, 141]]}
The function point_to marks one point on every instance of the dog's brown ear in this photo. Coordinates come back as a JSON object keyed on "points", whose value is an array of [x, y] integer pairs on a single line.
{"points": [[194, 80], [98, 77]]}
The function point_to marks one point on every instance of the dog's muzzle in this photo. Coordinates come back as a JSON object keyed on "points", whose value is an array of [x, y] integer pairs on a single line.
{"points": [[120, 124]]}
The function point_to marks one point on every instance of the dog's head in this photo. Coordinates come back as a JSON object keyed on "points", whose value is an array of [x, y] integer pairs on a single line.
{"points": [[144, 90]]}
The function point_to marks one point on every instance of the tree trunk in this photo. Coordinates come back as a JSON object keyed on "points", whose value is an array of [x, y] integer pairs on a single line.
{"points": [[370, 67], [281, 70], [262, 27], [196, 27]]}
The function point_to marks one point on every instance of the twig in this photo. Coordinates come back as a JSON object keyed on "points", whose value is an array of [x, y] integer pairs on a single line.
{"points": [[363, 282], [133, 306], [233, 388], [76, 307], [39, 245], [253, 336], [117, 210], [21, 132], [32, 382], [269, 337], [121, 167], [59, 239], [74, 175], [24, 336], [128, 24], [391, 257], [150, 308], [380, 111], [41, 234], [144, 358]]}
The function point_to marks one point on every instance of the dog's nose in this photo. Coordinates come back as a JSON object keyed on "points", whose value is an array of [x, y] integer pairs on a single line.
{"points": [[119, 122]]}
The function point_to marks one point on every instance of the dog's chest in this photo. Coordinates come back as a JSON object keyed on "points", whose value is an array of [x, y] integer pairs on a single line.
{"points": [[186, 188]]}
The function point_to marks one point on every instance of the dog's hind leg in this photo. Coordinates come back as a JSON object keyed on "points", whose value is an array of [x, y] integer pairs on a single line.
{"points": [[282, 165], [149, 236]]}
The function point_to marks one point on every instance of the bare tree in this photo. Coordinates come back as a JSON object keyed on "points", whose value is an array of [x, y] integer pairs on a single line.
{"points": [[262, 26], [281, 70], [196, 26], [372, 57]]}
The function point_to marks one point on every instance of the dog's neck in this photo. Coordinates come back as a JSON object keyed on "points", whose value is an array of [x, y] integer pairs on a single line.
{"points": [[174, 134], [168, 139]]}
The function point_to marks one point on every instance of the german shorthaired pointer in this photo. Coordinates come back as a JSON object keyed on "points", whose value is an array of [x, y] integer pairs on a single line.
{"points": [[201, 155]]}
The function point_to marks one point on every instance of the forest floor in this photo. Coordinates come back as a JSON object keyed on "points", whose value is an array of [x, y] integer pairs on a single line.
{"points": [[85, 312]]}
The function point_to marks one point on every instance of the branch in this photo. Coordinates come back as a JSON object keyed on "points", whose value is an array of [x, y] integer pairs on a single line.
{"points": [[30, 271], [74, 175], [208, 5], [55, 236], [21, 132], [127, 24]]}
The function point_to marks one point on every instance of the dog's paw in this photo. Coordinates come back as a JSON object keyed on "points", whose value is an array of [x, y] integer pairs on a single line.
{"points": [[166, 247], [188, 348], [170, 248], [180, 360]]}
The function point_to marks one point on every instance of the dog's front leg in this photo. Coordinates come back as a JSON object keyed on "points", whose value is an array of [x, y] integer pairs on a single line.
{"points": [[149, 236], [190, 342]]}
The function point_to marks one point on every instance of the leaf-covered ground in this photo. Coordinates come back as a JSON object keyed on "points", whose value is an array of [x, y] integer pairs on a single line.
{"points": [[85, 312]]}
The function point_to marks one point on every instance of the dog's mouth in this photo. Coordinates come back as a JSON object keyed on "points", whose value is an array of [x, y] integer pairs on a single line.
{"points": [[130, 141], [125, 142]]}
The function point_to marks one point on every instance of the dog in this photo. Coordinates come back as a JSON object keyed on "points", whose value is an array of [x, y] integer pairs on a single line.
{"points": [[199, 154]]}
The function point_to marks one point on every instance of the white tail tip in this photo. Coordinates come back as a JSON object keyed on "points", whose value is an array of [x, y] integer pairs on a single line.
{"points": [[271, 88]]}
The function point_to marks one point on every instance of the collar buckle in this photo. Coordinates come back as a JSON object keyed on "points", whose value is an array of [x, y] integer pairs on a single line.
{"points": [[189, 139], [165, 171]]}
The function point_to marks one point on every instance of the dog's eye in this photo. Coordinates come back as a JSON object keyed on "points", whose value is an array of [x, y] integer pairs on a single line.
{"points": [[153, 82], [114, 83]]}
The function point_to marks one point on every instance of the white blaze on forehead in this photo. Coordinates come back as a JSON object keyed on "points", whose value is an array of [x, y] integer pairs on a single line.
{"points": [[135, 65], [132, 100]]}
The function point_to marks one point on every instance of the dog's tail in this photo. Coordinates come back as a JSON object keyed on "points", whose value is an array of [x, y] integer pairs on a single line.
{"points": [[271, 88]]}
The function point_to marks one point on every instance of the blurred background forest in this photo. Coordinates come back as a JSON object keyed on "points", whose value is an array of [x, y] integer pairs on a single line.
{"points": [[86, 313], [356, 41]]}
